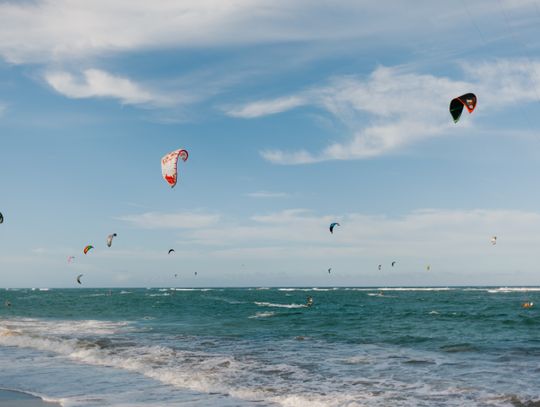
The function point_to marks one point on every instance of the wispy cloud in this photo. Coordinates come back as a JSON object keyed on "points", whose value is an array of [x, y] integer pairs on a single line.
{"points": [[267, 194], [55, 30], [401, 107], [421, 233], [180, 220], [266, 107], [101, 84]]}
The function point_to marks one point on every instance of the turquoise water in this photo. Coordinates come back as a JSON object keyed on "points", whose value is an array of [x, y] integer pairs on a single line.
{"points": [[228, 347]]}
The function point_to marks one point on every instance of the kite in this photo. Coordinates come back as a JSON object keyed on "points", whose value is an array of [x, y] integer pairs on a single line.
{"points": [[79, 278], [109, 239], [87, 249], [171, 251], [169, 166], [456, 105], [1, 218], [380, 266], [494, 240], [70, 259], [329, 270], [393, 263], [332, 226]]}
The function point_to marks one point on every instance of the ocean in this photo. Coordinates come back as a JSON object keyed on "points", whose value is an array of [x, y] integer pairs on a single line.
{"points": [[265, 347]]}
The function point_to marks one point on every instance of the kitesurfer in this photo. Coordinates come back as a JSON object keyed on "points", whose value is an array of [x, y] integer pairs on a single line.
{"points": [[309, 301]]}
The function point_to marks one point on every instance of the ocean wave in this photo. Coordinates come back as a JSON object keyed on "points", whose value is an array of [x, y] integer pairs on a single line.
{"points": [[270, 304], [79, 329], [512, 290], [417, 289], [199, 371]]}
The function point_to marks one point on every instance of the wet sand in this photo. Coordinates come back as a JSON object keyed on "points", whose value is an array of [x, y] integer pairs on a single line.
{"points": [[10, 398]]}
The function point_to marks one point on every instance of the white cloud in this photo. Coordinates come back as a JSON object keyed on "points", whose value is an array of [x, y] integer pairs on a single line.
{"points": [[426, 233], [101, 84], [264, 108], [400, 107], [267, 194], [181, 220], [53, 30]]}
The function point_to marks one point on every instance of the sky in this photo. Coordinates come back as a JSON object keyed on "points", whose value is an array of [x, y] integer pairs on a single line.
{"points": [[295, 115]]}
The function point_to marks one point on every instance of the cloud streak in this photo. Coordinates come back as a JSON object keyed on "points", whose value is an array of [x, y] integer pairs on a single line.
{"points": [[101, 84], [422, 233], [180, 220], [55, 30], [267, 194]]}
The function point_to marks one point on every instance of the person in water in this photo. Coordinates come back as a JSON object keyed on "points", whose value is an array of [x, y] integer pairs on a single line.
{"points": [[527, 304], [309, 301]]}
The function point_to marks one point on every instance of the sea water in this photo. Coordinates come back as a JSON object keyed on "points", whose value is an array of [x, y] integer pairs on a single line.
{"points": [[265, 347]]}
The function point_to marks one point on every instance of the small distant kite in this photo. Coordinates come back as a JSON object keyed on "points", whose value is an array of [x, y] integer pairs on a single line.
{"points": [[380, 266], [169, 165], [195, 273], [456, 105], [1, 218], [329, 270], [171, 251], [79, 278], [70, 259], [493, 240], [87, 249], [109, 239], [428, 267], [332, 226], [393, 263], [176, 275]]}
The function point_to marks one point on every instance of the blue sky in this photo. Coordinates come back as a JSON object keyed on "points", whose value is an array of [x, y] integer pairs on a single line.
{"points": [[295, 114]]}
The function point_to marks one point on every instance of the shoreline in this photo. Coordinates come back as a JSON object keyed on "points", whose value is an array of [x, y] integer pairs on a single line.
{"points": [[15, 398]]}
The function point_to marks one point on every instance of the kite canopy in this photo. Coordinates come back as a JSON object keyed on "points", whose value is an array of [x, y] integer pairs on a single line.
{"points": [[456, 105], [393, 263], [70, 259], [87, 249], [1, 218], [110, 238], [332, 226], [494, 240], [171, 251], [79, 278], [169, 165]]}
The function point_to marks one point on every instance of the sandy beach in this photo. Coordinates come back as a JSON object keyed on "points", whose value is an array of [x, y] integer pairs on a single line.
{"points": [[10, 398]]}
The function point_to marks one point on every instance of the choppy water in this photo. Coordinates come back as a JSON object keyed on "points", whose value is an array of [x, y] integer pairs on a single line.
{"points": [[264, 347]]}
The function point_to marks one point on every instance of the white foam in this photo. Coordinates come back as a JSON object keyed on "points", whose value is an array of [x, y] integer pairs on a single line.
{"points": [[270, 304], [416, 289], [512, 290], [80, 328], [262, 315]]}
